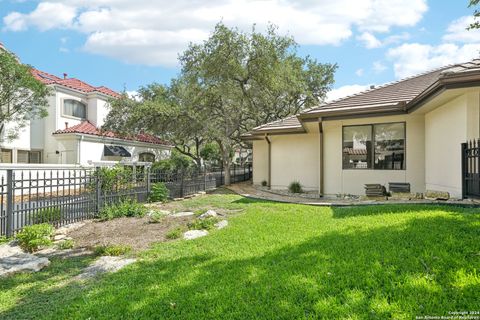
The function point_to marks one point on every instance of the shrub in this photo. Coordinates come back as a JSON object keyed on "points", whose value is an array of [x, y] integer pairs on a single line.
{"points": [[159, 192], [4, 239], [202, 224], [264, 183], [111, 179], [174, 233], [295, 187], [31, 238], [112, 250], [126, 208], [66, 244], [47, 215], [156, 217]]}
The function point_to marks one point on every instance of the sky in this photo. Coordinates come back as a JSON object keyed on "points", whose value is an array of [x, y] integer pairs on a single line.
{"points": [[126, 44]]}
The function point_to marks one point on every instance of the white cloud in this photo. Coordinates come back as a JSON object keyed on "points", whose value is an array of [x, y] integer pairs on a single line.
{"points": [[46, 16], [379, 67], [148, 32], [346, 91], [359, 72], [414, 58], [369, 40], [457, 31]]}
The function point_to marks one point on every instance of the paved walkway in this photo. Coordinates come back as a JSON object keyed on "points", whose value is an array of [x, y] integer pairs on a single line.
{"points": [[246, 189]]}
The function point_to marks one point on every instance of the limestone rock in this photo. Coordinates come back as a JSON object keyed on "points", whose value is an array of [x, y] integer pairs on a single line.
{"points": [[437, 195], [13, 259], [69, 227], [183, 214], [194, 234], [221, 224], [105, 264], [209, 214]]}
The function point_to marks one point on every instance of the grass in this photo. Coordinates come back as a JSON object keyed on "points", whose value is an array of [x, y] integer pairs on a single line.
{"points": [[278, 261]]}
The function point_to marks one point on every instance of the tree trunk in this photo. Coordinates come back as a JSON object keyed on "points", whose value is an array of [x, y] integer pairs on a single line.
{"points": [[226, 166]]}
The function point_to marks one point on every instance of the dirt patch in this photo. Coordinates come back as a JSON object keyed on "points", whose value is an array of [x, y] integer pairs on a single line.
{"points": [[135, 232]]}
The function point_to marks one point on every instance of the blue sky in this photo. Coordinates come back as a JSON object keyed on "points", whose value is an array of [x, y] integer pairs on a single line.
{"points": [[127, 44]]}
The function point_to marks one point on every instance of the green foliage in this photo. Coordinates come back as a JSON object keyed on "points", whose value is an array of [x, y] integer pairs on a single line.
{"points": [[112, 250], [159, 192], [33, 237], [176, 162], [22, 97], [125, 208], [47, 215], [211, 152], [4, 239], [112, 178], [174, 233], [156, 217], [66, 244], [264, 183], [476, 15], [202, 224], [295, 187]]}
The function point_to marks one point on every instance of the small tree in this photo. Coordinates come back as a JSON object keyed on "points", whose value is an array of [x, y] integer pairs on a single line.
{"points": [[22, 97]]}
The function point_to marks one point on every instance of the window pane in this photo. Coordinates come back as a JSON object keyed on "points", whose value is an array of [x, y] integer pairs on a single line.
{"points": [[357, 147], [146, 157], [6, 156], [390, 146], [35, 157], [74, 108], [22, 156]]}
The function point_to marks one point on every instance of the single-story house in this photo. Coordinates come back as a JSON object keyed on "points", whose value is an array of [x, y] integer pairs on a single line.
{"points": [[408, 131]]}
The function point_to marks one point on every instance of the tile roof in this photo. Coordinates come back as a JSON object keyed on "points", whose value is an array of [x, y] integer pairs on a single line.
{"points": [[72, 83], [86, 127], [389, 97]]}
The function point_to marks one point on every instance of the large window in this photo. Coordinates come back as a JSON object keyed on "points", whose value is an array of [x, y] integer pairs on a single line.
{"points": [[6, 156], [146, 157], [29, 156], [74, 108], [378, 146]]}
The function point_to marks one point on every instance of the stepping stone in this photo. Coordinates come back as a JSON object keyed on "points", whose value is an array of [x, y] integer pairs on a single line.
{"points": [[221, 224], [194, 234], [66, 253], [69, 227], [59, 237], [13, 259], [103, 265], [183, 214], [208, 214]]}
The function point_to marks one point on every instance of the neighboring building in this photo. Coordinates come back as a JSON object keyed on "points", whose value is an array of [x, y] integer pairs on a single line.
{"points": [[70, 133], [408, 131], [242, 156]]}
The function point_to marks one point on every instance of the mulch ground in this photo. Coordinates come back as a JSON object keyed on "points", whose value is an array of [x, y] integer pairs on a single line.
{"points": [[135, 232]]}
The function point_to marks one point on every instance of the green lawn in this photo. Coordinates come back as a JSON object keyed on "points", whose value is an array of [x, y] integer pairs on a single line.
{"points": [[278, 261]]}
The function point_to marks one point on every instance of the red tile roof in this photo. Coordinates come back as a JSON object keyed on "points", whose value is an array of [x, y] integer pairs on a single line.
{"points": [[72, 83], [86, 127]]}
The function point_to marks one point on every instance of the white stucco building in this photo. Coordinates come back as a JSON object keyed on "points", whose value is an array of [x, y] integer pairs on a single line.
{"points": [[70, 133]]}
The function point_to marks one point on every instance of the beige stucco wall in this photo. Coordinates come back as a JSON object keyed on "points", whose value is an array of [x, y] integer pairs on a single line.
{"points": [[260, 161], [446, 128], [351, 181]]}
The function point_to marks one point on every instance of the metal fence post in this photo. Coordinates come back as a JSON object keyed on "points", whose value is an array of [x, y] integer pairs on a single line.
{"points": [[205, 179], [98, 190], [149, 184], [9, 208]]}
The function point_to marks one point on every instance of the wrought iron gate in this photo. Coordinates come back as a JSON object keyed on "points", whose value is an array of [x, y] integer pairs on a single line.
{"points": [[471, 169]]}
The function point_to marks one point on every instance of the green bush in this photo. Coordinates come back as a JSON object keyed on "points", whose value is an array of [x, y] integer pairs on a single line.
{"points": [[126, 208], [159, 192], [31, 238], [47, 215], [174, 233], [66, 244], [264, 183], [295, 187], [112, 250], [4, 239], [176, 162], [112, 178], [202, 224], [156, 217]]}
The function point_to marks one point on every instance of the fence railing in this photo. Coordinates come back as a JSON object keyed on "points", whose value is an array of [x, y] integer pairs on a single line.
{"points": [[63, 196], [471, 169]]}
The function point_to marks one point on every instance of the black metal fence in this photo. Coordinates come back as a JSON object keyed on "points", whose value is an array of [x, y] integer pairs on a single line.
{"points": [[237, 174], [63, 196], [471, 169]]}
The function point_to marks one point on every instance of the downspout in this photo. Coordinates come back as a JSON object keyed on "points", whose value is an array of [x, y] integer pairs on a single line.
{"points": [[321, 169], [269, 160]]}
